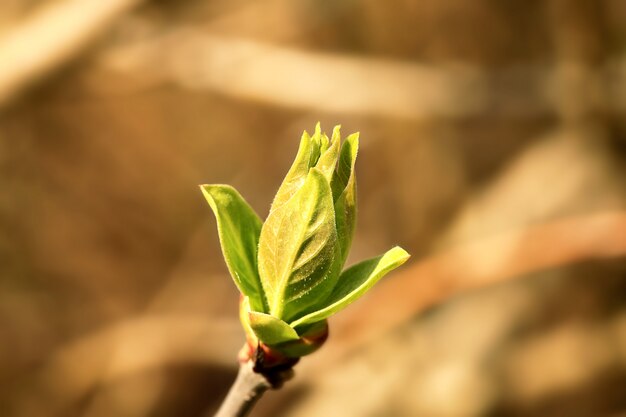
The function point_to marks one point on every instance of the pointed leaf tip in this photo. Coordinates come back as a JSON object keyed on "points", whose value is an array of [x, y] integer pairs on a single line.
{"points": [[328, 160], [354, 282], [308, 153], [336, 133]]}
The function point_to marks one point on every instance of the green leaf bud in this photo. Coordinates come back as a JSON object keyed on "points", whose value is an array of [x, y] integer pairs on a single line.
{"points": [[288, 268]]}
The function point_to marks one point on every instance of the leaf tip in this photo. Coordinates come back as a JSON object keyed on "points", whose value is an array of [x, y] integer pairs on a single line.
{"points": [[353, 139], [399, 254], [206, 192], [336, 133]]}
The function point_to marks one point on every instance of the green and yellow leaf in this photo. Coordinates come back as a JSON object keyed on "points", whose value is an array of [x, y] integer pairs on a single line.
{"points": [[307, 156], [343, 185], [239, 229], [270, 330], [354, 282], [298, 254]]}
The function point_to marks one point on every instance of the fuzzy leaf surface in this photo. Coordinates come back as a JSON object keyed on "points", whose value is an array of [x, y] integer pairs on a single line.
{"points": [[239, 229], [354, 282], [343, 185], [307, 156], [298, 252]]}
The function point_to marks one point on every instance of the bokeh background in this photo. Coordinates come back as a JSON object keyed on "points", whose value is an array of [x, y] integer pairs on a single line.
{"points": [[493, 148]]}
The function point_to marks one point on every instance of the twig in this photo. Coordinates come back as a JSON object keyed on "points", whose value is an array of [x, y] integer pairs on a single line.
{"points": [[245, 392], [257, 374]]}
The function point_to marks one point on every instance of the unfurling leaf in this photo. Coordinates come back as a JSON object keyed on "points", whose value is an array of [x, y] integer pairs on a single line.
{"points": [[328, 159], [311, 338], [354, 282], [270, 330], [343, 186], [298, 253], [239, 228], [307, 156]]}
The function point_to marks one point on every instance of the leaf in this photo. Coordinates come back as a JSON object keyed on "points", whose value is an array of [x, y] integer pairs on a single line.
{"points": [[239, 229], [311, 339], [344, 194], [298, 253], [319, 143], [345, 168], [328, 159], [244, 317], [354, 282], [324, 141], [271, 330], [307, 156]]}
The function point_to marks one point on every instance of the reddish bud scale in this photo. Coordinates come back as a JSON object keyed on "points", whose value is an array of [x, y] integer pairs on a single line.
{"points": [[285, 355]]}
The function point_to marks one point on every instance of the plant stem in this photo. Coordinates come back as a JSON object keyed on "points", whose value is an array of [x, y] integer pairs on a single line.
{"points": [[245, 392], [260, 369]]}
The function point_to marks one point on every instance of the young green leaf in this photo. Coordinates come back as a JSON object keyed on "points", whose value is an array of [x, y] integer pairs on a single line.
{"points": [[354, 282], [324, 141], [328, 159], [244, 309], [307, 156], [271, 330], [311, 338], [344, 194], [298, 253], [239, 228], [319, 143]]}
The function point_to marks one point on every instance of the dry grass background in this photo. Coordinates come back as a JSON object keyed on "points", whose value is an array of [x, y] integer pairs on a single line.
{"points": [[493, 149]]}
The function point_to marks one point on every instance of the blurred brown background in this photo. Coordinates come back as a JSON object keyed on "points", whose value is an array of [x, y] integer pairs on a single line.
{"points": [[493, 149]]}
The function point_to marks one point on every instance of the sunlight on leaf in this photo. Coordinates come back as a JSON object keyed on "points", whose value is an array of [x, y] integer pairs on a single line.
{"points": [[239, 228], [298, 254], [344, 194], [355, 281], [307, 156], [271, 330]]}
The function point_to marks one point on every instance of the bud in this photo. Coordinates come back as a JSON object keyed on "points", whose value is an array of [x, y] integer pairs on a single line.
{"points": [[289, 269]]}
